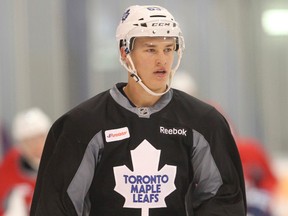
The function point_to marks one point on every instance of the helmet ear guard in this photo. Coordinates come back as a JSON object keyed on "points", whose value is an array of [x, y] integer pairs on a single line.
{"points": [[128, 45]]}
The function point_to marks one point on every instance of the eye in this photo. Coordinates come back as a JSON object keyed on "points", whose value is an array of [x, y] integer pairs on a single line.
{"points": [[168, 49], [151, 50]]}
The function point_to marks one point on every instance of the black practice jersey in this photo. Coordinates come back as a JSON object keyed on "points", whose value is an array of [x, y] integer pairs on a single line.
{"points": [[107, 157]]}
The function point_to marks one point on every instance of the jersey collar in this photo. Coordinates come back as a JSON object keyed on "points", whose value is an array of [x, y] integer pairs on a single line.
{"points": [[142, 112]]}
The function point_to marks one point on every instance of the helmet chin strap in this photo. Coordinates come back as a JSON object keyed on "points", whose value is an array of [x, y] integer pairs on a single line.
{"points": [[136, 77]]}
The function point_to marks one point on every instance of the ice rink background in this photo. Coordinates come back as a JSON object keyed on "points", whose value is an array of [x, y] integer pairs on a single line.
{"points": [[56, 54]]}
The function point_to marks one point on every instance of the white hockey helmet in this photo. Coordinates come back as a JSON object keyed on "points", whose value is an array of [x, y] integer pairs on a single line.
{"points": [[30, 123], [147, 21]]}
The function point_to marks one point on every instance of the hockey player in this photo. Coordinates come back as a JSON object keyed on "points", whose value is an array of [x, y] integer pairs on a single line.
{"points": [[142, 148], [19, 167]]}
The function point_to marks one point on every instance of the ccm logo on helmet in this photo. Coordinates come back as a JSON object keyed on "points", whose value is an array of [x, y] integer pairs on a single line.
{"points": [[173, 131], [161, 24]]}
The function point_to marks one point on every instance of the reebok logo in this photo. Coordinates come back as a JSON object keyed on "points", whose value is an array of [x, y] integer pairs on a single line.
{"points": [[117, 134], [173, 131]]}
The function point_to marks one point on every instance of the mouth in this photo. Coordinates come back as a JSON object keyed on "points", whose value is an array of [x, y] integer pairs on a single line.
{"points": [[160, 73]]}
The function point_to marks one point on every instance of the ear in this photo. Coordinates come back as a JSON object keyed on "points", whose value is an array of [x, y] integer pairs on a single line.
{"points": [[123, 53]]}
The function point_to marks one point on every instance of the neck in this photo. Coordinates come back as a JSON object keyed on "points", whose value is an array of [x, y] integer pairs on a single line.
{"points": [[138, 96]]}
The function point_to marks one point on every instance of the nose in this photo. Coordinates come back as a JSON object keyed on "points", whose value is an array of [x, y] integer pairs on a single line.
{"points": [[161, 59]]}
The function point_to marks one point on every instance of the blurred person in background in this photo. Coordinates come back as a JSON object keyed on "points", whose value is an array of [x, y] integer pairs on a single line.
{"points": [[185, 82], [19, 167], [5, 141], [260, 178]]}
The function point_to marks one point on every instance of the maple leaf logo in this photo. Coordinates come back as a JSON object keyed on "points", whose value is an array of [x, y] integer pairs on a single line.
{"points": [[145, 187]]}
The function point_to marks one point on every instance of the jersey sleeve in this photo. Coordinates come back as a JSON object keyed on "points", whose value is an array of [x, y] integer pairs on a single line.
{"points": [[49, 196], [62, 184], [218, 185]]}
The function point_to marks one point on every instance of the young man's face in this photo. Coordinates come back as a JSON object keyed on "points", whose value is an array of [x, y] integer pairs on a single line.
{"points": [[153, 58]]}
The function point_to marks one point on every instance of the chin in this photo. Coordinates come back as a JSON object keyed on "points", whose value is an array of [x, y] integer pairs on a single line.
{"points": [[159, 89]]}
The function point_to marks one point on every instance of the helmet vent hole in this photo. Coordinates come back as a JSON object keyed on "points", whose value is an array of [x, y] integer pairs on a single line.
{"points": [[157, 16]]}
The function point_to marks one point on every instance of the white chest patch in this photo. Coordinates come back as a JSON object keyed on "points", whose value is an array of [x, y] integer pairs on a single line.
{"points": [[117, 134], [146, 187]]}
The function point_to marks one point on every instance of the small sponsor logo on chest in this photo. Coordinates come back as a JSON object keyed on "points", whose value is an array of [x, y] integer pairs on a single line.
{"points": [[173, 131], [117, 134]]}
